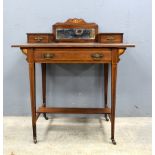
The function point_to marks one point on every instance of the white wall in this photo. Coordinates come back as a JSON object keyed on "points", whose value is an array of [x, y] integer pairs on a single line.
{"points": [[77, 85]]}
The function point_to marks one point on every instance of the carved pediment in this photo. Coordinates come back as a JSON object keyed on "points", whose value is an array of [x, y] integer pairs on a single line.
{"points": [[75, 21], [75, 30], [72, 21]]}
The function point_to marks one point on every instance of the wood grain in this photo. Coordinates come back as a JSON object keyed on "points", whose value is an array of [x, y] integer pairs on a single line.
{"points": [[74, 110], [100, 51], [110, 37], [28, 45]]}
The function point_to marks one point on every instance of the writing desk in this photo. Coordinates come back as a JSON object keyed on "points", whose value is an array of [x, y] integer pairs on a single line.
{"points": [[73, 53]]}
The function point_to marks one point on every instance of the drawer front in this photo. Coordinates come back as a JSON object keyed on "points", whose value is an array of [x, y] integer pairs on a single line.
{"points": [[72, 55], [39, 38], [110, 38]]}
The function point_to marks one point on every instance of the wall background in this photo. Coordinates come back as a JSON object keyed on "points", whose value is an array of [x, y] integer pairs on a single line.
{"points": [[77, 85]]}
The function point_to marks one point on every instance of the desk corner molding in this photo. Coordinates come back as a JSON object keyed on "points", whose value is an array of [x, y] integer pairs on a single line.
{"points": [[24, 51], [121, 51]]}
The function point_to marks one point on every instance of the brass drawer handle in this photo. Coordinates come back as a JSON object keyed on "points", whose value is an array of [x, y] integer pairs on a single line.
{"points": [[49, 55], [110, 38], [97, 56], [38, 39]]}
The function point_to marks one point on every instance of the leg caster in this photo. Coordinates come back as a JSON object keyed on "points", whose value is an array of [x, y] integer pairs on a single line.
{"points": [[113, 141], [45, 116], [34, 140], [106, 117]]}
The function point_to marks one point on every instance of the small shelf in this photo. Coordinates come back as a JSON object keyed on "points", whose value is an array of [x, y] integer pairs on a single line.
{"points": [[74, 110]]}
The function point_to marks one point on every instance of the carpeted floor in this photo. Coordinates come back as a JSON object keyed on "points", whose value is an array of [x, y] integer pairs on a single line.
{"points": [[77, 136]]}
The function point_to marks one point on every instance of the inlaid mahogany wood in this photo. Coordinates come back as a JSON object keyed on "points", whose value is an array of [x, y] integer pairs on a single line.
{"points": [[43, 68], [33, 98], [78, 45], [113, 92], [74, 110], [110, 37], [106, 87], [73, 26], [72, 54], [39, 37], [105, 49]]}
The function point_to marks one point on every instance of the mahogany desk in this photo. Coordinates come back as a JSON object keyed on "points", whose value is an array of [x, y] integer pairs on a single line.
{"points": [[93, 52]]}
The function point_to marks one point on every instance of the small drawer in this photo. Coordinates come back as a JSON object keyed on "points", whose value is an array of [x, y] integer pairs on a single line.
{"points": [[72, 55], [110, 37], [40, 37]]}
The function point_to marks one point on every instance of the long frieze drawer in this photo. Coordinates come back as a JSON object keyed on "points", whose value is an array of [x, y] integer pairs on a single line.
{"points": [[110, 37], [72, 55], [40, 37]]}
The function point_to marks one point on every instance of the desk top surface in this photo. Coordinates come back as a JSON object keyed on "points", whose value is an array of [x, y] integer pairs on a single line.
{"points": [[46, 45]]}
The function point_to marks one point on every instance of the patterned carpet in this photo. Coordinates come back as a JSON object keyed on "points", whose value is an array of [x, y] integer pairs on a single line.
{"points": [[77, 136]]}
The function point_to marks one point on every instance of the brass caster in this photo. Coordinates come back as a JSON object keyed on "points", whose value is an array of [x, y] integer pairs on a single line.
{"points": [[113, 141], [45, 116], [35, 140]]}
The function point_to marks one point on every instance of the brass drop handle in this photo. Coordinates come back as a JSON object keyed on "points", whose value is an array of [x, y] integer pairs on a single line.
{"points": [[49, 55], [38, 39], [110, 38], [97, 56]]}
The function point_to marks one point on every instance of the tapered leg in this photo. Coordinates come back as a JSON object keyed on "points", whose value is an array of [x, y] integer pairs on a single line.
{"points": [[113, 100], [33, 98], [43, 68], [106, 88]]}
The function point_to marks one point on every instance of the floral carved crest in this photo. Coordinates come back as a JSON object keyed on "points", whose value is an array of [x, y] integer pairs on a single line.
{"points": [[75, 21]]}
